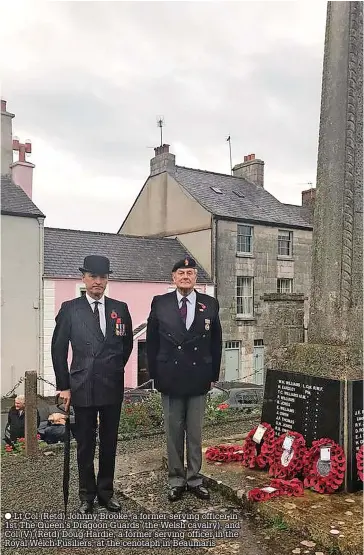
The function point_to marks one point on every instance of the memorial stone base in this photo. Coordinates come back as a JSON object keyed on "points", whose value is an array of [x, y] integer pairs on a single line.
{"points": [[317, 390]]}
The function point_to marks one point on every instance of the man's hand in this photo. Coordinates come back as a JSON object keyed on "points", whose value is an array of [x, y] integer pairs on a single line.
{"points": [[66, 397]]}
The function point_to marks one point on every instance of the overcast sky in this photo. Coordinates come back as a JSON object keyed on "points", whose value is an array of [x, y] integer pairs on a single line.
{"points": [[86, 81]]}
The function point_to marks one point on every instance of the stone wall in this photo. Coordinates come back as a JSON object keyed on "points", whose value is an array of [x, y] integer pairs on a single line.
{"points": [[283, 320], [265, 266]]}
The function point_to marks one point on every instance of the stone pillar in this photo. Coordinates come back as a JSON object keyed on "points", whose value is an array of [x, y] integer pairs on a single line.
{"points": [[336, 305], [31, 442]]}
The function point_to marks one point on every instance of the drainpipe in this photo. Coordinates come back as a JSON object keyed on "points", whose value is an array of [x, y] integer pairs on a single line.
{"points": [[41, 302], [214, 262]]}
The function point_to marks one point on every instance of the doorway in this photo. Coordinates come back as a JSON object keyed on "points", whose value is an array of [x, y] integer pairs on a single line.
{"points": [[232, 361]]}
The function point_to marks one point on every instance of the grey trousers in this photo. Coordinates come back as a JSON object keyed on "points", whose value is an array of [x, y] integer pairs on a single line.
{"points": [[183, 417]]}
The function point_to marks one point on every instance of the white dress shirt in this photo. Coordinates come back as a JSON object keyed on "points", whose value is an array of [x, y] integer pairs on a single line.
{"points": [[191, 307], [101, 307]]}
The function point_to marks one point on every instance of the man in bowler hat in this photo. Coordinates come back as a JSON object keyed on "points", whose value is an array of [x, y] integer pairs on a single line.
{"points": [[184, 355], [100, 332]]}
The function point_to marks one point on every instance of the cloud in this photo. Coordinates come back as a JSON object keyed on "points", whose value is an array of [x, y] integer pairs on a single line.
{"points": [[87, 79]]}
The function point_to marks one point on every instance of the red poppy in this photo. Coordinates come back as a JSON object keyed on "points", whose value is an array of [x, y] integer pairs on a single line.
{"points": [[222, 406], [335, 477], [360, 462], [288, 464], [114, 315], [250, 457]]}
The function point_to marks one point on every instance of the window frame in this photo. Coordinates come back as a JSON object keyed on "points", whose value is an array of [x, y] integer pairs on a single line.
{"points": [[241, 314], [289, 241], [290, 280], [241, 235]]}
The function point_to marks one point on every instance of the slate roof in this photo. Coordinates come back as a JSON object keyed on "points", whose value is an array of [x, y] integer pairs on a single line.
{"points": [[15, 202], [254, 204], [300, 211], [131, 258]]}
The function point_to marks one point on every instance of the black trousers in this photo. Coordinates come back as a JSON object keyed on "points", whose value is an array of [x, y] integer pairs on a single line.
{"points": [[85, 432]]}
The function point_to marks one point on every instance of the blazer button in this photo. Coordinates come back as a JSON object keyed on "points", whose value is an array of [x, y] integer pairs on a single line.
{"points": [[179, 347], [204, 335], [194, 364], [175, 362], [195, 349]]}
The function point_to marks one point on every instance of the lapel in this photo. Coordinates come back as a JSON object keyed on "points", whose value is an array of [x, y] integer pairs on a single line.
{"points": [[110, 322], [177, 322], [89, 319], [198, 314]]}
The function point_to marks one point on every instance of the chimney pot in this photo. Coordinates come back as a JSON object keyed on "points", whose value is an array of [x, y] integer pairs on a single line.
{"points": [[28, 147], [15, 144], [3, 105]]}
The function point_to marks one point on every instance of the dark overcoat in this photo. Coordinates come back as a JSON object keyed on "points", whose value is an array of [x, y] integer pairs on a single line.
{"points": [[96, 374]]}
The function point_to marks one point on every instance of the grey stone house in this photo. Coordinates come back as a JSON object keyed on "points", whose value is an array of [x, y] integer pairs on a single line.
{"points": [[256, 249]]}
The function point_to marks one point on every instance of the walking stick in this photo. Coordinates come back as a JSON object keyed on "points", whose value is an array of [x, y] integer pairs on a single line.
{"points": [[66, 458]]}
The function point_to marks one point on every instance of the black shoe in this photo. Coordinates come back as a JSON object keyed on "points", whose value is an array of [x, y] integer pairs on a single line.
{"points": [[199, 491], [111, 504], [176, 493], [86, 507]]}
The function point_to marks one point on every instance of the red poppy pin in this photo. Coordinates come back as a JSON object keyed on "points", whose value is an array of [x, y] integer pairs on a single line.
{"points": [[202, 307], [114, 315]]}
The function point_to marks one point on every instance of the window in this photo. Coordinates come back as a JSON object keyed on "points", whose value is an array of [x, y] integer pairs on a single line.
{"points": [[245, 239], [258, 343], [232, 345], [284, 285], [244, 296], [216, 190], [284, 243], [238, 194]]}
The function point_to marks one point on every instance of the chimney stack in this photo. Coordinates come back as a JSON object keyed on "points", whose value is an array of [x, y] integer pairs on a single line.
{"points": [[308, 201], [22, 171], [6, 139], [251, 169], [163, 161]]}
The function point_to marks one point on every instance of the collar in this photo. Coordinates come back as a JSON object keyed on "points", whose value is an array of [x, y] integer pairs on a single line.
{"points": [[91, 300], [191, 297]]}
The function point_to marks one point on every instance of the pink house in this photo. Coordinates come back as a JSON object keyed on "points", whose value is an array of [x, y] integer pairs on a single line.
{"points": [[141, 269]]}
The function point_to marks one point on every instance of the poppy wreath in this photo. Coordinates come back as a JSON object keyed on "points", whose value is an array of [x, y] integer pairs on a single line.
{"points": [[360, 462], [291, 488], [295, 463], [224, 453], [251, 458], [257, 494], [335, 477]]}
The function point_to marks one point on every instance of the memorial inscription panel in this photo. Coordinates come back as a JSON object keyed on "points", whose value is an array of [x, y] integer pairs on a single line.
{"points": [[306, 404], [356, 418]]}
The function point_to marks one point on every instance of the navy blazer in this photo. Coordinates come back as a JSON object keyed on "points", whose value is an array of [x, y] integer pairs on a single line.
{"points": [[184, 362]]}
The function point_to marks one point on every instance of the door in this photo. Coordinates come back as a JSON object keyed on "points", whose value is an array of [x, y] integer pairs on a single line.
{"points": [[258, 362], [232, 360]]}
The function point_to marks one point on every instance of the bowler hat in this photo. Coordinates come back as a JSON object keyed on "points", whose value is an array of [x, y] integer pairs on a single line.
{"points": [[95, 264], [186, 262]]}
